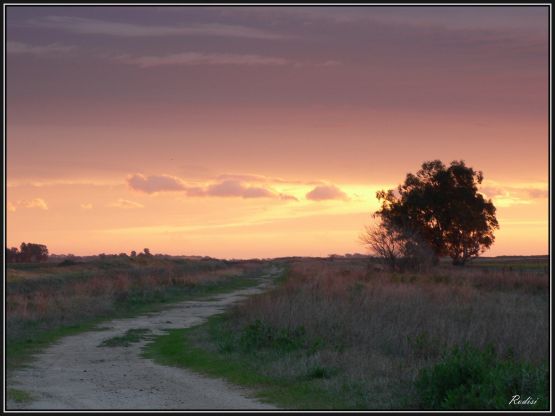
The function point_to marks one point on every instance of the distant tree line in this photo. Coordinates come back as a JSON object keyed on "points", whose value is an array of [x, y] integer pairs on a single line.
{"points": [[27, 253], [36, 253], [145, 253]]}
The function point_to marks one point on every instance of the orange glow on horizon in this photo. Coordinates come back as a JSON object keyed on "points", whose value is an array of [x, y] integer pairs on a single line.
{"points": [[84, 218], [268, 132]]}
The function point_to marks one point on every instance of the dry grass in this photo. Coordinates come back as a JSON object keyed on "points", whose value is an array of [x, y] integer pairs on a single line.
{"points": [[378, 328], [48, 295], [340, 302]]}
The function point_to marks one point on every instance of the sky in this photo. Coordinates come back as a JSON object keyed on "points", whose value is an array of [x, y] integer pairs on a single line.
{"points": [[241, 132]]}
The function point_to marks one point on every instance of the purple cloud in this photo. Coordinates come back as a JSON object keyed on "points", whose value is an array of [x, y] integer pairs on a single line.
{"points": [[235, 188], [325, 192], [154, 183], [151, 184]]}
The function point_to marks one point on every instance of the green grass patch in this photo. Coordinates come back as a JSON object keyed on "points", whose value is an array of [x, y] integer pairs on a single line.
{"points": [[130, 337], [175, 349], [259, 335], [19, 396], [244, 358]]}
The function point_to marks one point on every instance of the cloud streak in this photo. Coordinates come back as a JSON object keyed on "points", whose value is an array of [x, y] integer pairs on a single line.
{"points": [[125, 204], [510, 195], [200, 58], [38, 203], [21, 48], [86, 26], [264, 179]]}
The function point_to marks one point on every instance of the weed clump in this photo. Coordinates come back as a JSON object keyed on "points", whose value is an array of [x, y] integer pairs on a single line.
{"points": [[131, 336]]}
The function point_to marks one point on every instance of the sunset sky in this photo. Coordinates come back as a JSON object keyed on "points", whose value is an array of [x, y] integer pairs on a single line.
{"points": [[243, 132]]}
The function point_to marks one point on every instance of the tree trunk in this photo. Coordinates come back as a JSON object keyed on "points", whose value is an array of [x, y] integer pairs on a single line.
{"points": [[457, 261]]}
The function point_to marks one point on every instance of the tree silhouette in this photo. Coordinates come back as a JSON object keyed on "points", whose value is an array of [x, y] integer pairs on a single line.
{"points": [[400, 249], [28, 253], [442, 204], [387, 245], [12, 255]]}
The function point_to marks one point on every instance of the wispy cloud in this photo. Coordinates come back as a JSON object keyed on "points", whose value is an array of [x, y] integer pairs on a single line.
{"points": [[86, 206], [505, 196], [121, 29], [537, 193], [61, 182], [38, 203], [21, 48], [331, 62], [264, 179], [125, 204], [326, 192], [199, 58], [287, 197]]}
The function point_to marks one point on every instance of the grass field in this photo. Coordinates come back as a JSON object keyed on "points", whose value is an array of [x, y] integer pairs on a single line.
{"points": [[337, 334], [513, 263], [46, 301]]}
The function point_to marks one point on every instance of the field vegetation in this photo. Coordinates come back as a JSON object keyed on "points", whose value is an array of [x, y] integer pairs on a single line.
{"points": [[45, 301], [346, 334]]}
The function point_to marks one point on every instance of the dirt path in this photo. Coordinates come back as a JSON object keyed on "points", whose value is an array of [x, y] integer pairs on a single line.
{"points": [[76, 373]]}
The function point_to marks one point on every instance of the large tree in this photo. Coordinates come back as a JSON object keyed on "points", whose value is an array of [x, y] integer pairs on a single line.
{"points": [[443, 206]]}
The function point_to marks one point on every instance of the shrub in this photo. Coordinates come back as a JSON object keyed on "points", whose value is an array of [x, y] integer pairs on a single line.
{"points": [[67, 262], [320, 372], [469, 378]]}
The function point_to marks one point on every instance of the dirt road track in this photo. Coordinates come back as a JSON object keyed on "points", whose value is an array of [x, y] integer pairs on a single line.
{"points": [[76, 373]]}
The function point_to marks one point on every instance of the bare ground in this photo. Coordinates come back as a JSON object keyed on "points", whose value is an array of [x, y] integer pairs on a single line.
{"points": [[76, 373]]}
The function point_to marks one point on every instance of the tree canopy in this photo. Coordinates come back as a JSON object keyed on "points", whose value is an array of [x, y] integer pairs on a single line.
{"points": [[443, 206], [28, 253]]}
